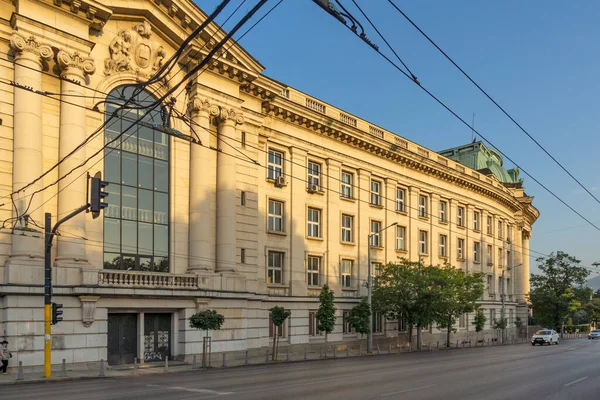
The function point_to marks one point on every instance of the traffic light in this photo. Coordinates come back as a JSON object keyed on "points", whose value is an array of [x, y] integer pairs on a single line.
{"points": [[56, 313], [98, 195]]}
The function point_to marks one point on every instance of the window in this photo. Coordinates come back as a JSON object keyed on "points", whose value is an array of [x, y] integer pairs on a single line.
{"points": [[275, 164], [499, 229], [400, 238], [375, 231], [136, 222], [508, 233], [508, 259], [500, 260], [476, 252], [460, 249], [347, 222], [400, 199], [462, 323], [476, 220], [492, 317], [489, 284], [510, 317], [347, 182], [375, 269], [490, 255], [443, 211], [313, 325], [346, 272], [314, 270], [314, 223], [275, 217], [377, 322], [423, 242], [490, 225], [423, 206], [243, 198], [275, 329], [314, 174], [376, 193], [275, 267], [243, 256], [346, 324], [500, 285], [508, 286], [443, 241], [460, 216]]}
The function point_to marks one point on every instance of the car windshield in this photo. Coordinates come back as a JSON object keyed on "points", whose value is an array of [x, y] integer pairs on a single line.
{"points": [[596, 331], [543, 333]]}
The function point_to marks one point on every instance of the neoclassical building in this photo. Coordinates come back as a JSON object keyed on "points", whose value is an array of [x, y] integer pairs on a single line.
{"points": [[275, 196]]}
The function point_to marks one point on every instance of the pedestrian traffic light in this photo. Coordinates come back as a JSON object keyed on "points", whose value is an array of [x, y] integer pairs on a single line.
{"points": [[56, 313], [98, 195]]}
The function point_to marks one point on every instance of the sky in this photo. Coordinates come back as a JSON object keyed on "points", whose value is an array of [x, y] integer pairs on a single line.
{"points": [[537, 59]]}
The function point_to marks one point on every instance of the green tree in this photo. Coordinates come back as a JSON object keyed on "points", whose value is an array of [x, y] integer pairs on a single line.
{"points": [[358, 317], [518, 324], [325, 315], [479, 322], [593, 309], [552, 294], [458, 295], [208, 320], [278, 317]]}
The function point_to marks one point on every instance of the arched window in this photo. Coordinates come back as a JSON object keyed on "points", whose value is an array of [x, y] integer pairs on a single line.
{"points": [[136, 222]]}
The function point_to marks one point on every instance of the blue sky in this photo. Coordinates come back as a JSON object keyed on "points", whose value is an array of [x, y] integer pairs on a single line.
{"points": [[538, 59]]}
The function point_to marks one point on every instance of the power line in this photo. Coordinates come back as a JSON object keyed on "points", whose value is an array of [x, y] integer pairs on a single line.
{"points": [[440, 102], [492, 100]]}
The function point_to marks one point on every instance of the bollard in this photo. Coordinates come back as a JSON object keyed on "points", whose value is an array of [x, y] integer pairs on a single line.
{"points": [[390, 349], [305, 355], [488, 341], [20, 376], [469, 343], [246, 358], [63, 371], [223, 365], [347, 351], [377, 348], [267, 358], [101, 368], [287, 355], [166, 363], [135, 365], [334, 351], [194, 365]]}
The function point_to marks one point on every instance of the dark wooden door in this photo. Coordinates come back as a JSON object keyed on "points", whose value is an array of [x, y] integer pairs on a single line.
{"points": [[157, 336], [122, 338]]}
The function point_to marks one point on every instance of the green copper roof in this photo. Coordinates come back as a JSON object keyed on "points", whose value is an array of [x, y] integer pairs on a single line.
{"points": [[488, 161]]}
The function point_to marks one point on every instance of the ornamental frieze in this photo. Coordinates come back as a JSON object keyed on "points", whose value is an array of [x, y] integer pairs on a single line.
{"points": [[133, 50]]}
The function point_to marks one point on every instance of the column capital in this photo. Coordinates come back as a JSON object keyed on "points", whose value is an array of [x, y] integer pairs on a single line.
{"points": [[31, 46], [231, 116], [73, 63], [203, 105]]}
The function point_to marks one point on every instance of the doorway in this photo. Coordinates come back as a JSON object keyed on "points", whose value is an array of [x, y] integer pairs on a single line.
{"points": [[122, 338], [157, 336]]}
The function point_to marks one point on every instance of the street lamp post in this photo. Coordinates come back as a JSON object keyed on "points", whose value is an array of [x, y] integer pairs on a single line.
{"points": [[369, 287]]}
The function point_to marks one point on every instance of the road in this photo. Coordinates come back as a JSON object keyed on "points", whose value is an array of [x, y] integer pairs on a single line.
{"points": [[567, 371]]}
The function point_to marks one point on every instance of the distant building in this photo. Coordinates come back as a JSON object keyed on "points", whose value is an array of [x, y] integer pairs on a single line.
{"points": [[282, 208]]}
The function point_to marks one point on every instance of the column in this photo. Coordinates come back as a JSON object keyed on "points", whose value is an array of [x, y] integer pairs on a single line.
{"points": [[226, 195], [523, 274], [72, 191], [27, 138], [202, 235]]}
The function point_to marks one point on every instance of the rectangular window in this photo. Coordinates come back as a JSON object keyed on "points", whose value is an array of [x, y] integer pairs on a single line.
{"points": [[377, 322], [423, 206], [347, 222], [423, 245], [243, 198], [508, 233], [346, 325], [400, 199], [314, 223], [508, 291], [243, 256], [462, 321], [500, 285], [347, 183], [443, 211], [492, 317], [400, 238], [313, 325], [314, 175], [443, 241], [490, 225], [476, 252], [489, 284], [375, 269], [275, 164], [275, 267], [275, 217], [376, 193], [460, 249], [476, 220], [314, 270], [375, 238], [490, 255], [510, 318], [346, 273], [460, 216], [508, 259], [500, 230], [500, 260]]}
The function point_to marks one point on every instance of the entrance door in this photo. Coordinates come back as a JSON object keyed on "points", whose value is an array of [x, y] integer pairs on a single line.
{"points": [[157, 336], [122, 338]]}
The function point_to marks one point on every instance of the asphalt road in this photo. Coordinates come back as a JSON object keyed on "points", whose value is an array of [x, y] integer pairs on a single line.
{"points": [[567, 371]]}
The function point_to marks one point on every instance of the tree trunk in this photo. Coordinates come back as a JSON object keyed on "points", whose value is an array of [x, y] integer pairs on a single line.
{"points": [[419, 337], [326, 344], [274, 345], [410, 329], [448, 333]]}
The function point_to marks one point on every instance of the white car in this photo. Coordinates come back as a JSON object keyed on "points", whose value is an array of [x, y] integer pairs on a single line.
{"points": [[549, 336]]}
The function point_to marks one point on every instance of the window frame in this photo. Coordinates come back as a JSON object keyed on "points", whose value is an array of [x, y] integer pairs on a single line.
{"points": [[347, 186], [423, 209], [311, 272], [311, 225], [401, 239], [460, 216], [311, 177], [375, 237], [274, 217], [347, 229], [346, 277], [270, 268], [490, 255], [400, 199], [443, 244], [423, 242], [460, 249], [273, 166], [490, 225], [476, 215], [476, 252], [375, 198], [443, 209]]}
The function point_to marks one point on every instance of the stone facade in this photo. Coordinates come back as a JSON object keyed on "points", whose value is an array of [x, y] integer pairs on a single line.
{"points": [[284, 206]]}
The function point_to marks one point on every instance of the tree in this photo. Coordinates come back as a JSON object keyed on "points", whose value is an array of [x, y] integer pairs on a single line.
{"points": [[500, 324], [208, 320], [552, 294], [278, 317], [519, 325], [593, 308], [479, 322], [325, 315], [358, 317], [459, 294]]}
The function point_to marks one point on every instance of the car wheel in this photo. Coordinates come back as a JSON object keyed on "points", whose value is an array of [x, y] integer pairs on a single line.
{"points": [[533, 344], [557, 342]]}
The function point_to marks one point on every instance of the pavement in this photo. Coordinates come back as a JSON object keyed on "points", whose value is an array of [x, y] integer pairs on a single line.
{"points": [[567, 371]]}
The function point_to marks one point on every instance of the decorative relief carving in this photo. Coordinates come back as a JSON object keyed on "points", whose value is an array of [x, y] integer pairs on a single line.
{"points": [[88, 308], [132, 50], [66, 60], [21, 45], [232, 115], [197, 105]]}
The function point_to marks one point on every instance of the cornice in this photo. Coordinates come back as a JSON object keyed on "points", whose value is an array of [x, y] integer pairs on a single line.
{"points": [[90, 12], [22, 24]]}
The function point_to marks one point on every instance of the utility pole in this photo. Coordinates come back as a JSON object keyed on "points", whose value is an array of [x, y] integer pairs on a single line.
{"points": [[502, 313]]}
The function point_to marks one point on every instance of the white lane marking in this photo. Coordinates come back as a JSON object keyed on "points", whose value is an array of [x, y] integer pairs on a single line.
{"points": [[408, 390], [205, 391], [576, 381]]}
